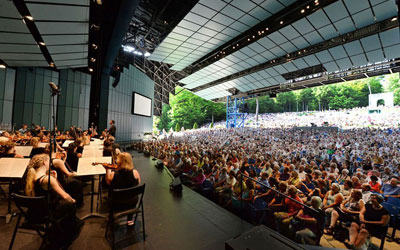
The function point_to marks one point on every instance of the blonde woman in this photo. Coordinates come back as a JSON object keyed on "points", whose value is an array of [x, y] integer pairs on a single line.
{"points": [[124, 177], [62, 204]]}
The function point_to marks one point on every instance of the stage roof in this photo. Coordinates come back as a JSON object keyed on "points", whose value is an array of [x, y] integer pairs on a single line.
{"points": [[226, 47], [41, 32]]}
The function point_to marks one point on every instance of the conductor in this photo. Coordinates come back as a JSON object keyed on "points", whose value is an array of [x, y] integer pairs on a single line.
{"points": [[112, 129]]}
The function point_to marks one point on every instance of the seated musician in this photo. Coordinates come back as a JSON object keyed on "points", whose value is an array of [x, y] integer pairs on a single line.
{"points": [[23, 129], [8, 151], [62, 204], [73, 156], [35, 147], [125, 176]]}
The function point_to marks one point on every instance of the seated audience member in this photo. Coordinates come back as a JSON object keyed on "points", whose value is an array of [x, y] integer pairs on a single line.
{"points": [[67, 226], [125, 176], [392, 189], [373, 218], [264, 180], [356, 182], [294, 179], [347, 189], [366, 192], [23, 129], [312, 223], [35, 147], [348, 211], [283, 218], [333, 198], [375, 186], [8, 151], [285, 175]]}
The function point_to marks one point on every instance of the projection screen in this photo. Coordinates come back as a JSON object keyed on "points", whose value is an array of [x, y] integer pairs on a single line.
{"points": [[141, 105]]}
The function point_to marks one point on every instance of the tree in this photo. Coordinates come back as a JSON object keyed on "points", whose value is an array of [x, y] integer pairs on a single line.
{"points": [[394, 86], [195, 126], [165, 119], [177, 127]]}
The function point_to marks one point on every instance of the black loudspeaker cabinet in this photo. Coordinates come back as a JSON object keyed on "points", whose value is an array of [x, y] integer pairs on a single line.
{"points": [[261, 238]]}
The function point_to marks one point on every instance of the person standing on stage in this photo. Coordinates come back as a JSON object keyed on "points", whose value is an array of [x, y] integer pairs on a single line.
{"points": [[112, 130]]}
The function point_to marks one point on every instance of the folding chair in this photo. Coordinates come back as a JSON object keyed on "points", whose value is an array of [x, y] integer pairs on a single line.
{"points": [[120, 196], [35, 213], [259, 206], [394, 212]]}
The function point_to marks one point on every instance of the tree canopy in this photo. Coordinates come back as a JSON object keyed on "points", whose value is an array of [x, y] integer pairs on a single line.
{"points": [[188, 109]]}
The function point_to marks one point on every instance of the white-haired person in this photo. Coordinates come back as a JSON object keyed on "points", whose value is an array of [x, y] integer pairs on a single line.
{"points": [[310, 224]]}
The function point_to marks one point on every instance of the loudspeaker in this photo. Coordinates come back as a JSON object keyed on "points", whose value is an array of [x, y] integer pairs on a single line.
{"points": [[116, 79], [159, 165], [176, 185], [272, 95]]}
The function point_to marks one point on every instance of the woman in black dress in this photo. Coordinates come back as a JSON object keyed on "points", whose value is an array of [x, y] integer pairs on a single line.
{"points": [[124, 177]]}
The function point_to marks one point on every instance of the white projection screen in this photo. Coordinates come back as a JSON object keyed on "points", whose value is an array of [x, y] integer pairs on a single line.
{"points": [[141, 105]]}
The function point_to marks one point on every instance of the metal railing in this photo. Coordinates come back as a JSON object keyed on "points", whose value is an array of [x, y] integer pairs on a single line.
{"points": [[274, 190]]}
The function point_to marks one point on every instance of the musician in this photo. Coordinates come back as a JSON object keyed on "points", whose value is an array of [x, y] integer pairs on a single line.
{"points": [[112, 130], [36, 150], [23, 129], [36, 130], [73, 156], [66, 226], [8, 151], [124, 177]]}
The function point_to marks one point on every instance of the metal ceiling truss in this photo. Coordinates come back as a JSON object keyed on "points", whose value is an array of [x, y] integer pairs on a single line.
{"points": [[323, 78], [340, 40], [281, 19]]}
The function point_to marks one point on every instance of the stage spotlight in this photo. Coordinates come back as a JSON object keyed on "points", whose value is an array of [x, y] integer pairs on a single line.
{"points": [[42, 44], [30, 18], [92, 59], [90, 69], [94, 46], [2, 66], [51, 64]]}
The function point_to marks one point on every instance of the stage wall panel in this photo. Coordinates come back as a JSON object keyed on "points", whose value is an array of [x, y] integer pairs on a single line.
{"points": [[130, 127]]}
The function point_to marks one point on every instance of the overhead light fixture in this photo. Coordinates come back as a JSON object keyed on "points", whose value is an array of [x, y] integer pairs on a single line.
{"points": [[248, 39], [94, 46], [42, 43], [92, 59], [147, 54], [2, 66], [90, 69], [30, 18], [308, 6], [99, 2], [394, 19], [267, 29], [303, 10], [51, 64], [316, 2], [281, 22]]}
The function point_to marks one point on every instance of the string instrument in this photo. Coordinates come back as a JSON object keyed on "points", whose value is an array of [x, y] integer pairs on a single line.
{"points": [[106, 165], [60, 155]]}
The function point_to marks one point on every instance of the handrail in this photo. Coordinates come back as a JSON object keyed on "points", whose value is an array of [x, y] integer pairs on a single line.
{"points": [[276, 191]]}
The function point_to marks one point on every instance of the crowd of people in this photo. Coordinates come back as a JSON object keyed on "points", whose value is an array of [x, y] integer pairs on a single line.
{"points": [[341, 176], [343, 119], [66, 187]]}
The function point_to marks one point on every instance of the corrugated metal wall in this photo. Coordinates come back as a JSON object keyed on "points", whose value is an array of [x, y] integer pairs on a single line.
{"points": [[7, 82], [130, 127]]}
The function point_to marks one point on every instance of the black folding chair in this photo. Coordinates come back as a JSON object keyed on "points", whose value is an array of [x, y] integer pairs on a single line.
{"points": [[382, 236], [35, 213], [120, 196]]}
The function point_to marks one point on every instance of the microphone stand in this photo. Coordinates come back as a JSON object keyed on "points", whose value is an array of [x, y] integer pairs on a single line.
{"points": [[52, 141]]}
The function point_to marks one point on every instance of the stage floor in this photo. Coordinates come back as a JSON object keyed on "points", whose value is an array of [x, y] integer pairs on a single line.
{"points": [[189, 222]]}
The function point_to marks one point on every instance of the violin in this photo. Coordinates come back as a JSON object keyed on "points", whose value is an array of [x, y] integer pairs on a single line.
{"points": [[60, 155], [106, 165]]}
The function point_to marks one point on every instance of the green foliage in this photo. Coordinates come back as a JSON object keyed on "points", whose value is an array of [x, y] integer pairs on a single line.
{"points": [[177, 127], [195, 126], [211, 125], [186, 109], [189, 110], [394, 86]]}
